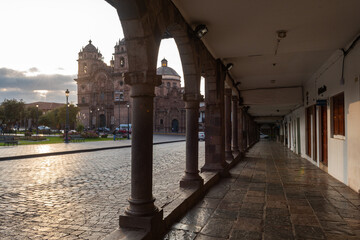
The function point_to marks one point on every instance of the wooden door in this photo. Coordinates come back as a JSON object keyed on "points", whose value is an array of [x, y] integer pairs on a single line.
{"points": [[308, 131], [314, 133], [290, 135], [298, 136], [324, 134]]}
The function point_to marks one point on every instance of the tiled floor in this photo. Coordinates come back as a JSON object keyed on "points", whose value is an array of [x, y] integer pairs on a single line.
{"points": [[273, 194]]}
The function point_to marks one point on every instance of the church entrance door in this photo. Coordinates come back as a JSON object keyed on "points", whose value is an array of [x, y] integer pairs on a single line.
{"points": [[102, 120], [175, 125]]}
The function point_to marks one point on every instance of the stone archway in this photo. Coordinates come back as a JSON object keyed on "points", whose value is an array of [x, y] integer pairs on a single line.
{"points": [[144, 24]]}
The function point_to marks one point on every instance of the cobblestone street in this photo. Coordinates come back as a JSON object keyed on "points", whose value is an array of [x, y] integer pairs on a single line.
{"points": [[79, 196]]}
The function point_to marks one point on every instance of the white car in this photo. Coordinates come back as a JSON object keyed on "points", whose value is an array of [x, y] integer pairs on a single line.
{"points": [[263, 136], [201, 136], [43, 128]]}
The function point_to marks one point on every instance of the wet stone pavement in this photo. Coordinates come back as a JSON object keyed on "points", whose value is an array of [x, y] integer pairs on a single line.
{"points": [[273, 194], [79, 196]]}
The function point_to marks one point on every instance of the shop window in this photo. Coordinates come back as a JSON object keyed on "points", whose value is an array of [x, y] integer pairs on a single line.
{"points": [[338, 116]]}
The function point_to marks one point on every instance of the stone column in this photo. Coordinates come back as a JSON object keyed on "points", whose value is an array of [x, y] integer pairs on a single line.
{"points": [[192, 177], [240, 131], [235, 124], [214, 123], [247, 131], [141, 211], [228, 152]]}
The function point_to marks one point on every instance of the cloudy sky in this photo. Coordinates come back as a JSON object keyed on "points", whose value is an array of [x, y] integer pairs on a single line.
{"points": [[40, 41]]}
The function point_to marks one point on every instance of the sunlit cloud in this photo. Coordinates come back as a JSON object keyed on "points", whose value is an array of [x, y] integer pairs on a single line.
{"points": [[10, 89], [33, 69], [42, 87], [41, 93]]}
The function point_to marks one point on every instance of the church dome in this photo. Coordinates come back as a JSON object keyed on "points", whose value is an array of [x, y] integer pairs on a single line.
{"points": [[165, 70], [90, 48]]}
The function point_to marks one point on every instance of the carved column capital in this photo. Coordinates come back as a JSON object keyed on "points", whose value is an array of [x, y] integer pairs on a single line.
{"points": [[142, 83]]}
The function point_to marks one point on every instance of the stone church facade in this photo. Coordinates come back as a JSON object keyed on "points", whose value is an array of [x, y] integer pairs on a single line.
{"points": [[104, 98]]}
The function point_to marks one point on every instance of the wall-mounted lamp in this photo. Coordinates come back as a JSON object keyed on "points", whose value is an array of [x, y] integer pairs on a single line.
{"points": [[229, 66], [201, 30], [281, 34]]}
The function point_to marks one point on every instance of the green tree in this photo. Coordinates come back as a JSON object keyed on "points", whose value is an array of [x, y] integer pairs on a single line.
{"points": [[73, 111], [2, 114], [45, 120], [33, 112], [12, 111], [80, 128]]}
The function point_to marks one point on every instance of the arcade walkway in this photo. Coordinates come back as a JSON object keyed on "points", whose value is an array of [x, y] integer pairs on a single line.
{"points": [[273, 194]]}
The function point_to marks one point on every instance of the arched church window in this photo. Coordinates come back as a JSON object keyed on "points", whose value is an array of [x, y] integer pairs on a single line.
{"points": [[174, 84], [85, 68], [102, 96], [83, 100], [121, 97], [121, 83], [168, 84], [161, 121]]}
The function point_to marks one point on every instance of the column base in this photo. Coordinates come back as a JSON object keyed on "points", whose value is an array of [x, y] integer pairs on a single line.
{"points": [[229, 156], [141, 208], [191, 180], [150, 223]]}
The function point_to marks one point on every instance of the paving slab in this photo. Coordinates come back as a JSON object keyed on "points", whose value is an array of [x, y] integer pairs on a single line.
{"points": [[274, 194]]}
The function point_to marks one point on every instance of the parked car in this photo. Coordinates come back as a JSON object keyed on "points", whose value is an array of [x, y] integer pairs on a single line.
{"points": [[119, 131], [263, 136], [42, 127], [201, 136], [125, 127], [103, 130]]}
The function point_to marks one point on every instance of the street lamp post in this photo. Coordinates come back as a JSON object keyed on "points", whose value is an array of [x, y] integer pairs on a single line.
{"points": [[90, 119], [67, 116], [37, 119], [128, 107], [119, 113]]}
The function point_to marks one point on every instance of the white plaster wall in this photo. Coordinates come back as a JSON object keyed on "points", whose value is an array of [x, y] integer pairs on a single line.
{"points": [[292, 119], [343, 154], [352, 113]]}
